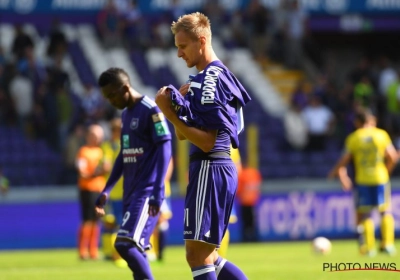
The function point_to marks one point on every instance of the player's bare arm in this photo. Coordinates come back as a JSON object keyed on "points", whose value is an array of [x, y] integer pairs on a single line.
{"points": [[183, 90], [342, 162], [179, 135], [116, 173], [391, 158], [344, 179], [204, 139]]}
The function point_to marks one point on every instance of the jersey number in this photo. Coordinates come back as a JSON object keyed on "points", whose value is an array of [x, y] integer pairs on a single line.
{"points": [[126, 218], [369, 156]]}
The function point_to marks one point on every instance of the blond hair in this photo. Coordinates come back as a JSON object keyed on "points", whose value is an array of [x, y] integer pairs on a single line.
{"points": [[195, 24]]}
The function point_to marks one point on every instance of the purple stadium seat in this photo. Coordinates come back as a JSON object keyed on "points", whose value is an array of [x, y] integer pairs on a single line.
{"points": [[27, 162], [333, 156], [276, 171], [299, 170], [139, 61], [295, 157], [272, 157], [81, 64], [316, 157], [320, 170]]}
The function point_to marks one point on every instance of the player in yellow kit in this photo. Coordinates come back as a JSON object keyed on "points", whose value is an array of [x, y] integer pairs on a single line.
{"points": [[112, 220], [374, 157]]}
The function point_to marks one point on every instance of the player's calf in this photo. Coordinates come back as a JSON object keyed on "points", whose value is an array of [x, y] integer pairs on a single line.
{"points": [[226, 270], [135, 258]]}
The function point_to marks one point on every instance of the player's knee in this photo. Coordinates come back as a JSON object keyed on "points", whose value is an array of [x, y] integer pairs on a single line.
{"points": [[196, 258], [193, 259]]}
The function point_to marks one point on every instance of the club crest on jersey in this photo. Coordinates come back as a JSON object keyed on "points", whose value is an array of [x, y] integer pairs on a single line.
{"points": [[134, 123]]}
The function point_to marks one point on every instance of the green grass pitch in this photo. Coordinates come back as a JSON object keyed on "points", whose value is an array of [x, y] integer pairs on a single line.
{"points": [[260, 261]]}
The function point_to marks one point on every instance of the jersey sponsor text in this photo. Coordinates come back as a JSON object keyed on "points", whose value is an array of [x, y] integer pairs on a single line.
{"points": [[209, 84]]}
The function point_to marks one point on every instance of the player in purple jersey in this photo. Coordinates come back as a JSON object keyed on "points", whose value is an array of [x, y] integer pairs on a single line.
{"points": [[143, 162], [206, 112]]}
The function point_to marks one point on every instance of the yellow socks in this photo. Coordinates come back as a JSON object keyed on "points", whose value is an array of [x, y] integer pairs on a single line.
{"points": [[387, 230], [368, 231], [152, 253], [107, 245]]}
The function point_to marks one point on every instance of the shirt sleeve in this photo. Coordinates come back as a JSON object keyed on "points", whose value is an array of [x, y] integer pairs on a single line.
{"points": [[115, 175], [349, 144], [387, 140], [159, 126], [212, 102], [163, 155]]}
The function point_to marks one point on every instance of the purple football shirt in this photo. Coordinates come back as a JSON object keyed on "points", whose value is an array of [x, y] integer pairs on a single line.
{"points": [[214, 101], [143, 126]]}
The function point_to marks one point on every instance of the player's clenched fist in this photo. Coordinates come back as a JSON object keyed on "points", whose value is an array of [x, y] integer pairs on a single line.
{"points": [[163, 101], [100, 202]]}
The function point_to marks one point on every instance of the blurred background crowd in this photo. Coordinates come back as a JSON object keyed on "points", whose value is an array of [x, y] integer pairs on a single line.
{"points": [[321, 67]]}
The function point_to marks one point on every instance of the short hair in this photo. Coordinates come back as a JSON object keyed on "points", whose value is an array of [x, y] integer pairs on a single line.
{"points": [[195, 24], [114, 76], [363, 115]]}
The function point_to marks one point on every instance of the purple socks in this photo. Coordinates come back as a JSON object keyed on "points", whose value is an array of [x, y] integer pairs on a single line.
{"points": [[228, 271], [136, 260], [206, 272]]}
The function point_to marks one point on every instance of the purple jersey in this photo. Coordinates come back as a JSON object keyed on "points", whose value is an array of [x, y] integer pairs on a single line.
{"points": [[214, 101], [143, 161], [143, 127]]}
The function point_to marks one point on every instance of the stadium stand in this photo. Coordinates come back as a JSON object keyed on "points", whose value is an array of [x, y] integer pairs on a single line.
{"points": [[271, 82]]}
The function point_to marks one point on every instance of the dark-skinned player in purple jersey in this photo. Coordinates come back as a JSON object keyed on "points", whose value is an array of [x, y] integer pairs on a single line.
{"points": [[143, 161], [207, 111]]}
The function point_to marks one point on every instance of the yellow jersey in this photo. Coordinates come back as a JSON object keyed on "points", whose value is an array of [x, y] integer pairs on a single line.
{"points": [[167, 185], [111, 150], [237, 160], [235, 155], [367, 147]]}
